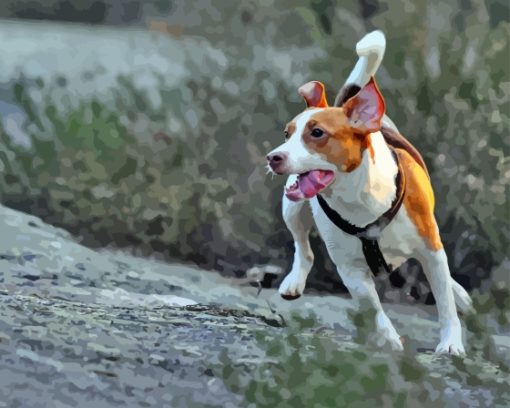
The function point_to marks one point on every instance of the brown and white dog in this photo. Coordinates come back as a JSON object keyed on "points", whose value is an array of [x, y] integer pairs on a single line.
{"points": [[342, 153]]}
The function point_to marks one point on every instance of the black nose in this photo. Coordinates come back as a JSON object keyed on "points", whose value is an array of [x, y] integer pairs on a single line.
{"points": [[276, 159]]}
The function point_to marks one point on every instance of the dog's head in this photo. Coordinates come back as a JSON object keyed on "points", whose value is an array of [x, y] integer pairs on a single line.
{"points": [[323, 142]]}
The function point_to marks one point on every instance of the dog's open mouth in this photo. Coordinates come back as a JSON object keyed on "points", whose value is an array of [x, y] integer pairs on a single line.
{"points": [[309, 184]]}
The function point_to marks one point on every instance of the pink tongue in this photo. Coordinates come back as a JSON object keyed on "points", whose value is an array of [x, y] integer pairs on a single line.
{"points": [[314, 181], [309, 184]]}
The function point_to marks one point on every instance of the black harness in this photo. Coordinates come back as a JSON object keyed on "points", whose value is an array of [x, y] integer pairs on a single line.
{"points": [[369, 234]]}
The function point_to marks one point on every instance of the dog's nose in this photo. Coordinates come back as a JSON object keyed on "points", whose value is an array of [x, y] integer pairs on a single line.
{"points": [[276, 159]]}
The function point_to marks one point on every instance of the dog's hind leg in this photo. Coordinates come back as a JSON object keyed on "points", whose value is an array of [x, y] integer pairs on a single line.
{"points": [[299, 221], [435, 266]]}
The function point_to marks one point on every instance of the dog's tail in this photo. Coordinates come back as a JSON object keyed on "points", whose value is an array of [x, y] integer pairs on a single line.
{"points": [[462, 298], [370, 50]]}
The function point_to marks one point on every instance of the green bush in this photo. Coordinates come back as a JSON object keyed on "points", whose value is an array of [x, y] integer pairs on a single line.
{"points": [[178, 171]]}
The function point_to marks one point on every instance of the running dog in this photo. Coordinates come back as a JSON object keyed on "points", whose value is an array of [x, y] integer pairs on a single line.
{"points": [[367, 190]]}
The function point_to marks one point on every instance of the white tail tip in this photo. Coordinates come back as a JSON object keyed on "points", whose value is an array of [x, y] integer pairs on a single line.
{"points": [[374, 42]]}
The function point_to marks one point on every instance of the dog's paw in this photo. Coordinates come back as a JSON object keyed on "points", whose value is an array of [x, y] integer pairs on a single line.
{"points": [[396, 344], [386, 336], [392, 342], [451, 340], [388, 343], [451, 346], [292, 286]]}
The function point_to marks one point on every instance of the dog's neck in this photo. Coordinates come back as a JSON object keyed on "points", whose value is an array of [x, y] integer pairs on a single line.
{"points": [[364, 194]]}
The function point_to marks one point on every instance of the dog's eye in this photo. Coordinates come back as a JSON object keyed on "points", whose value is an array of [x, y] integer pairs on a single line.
{"points": [[317, 132], [286, 134]]}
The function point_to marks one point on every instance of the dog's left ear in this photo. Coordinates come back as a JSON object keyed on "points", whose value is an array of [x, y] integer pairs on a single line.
{"points": [[314, 94], [366, 109]]}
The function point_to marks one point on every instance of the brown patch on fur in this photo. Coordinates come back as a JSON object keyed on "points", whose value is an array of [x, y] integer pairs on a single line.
{"points": [[289, 130], [341, 144], [419, 200], [346, 93]]}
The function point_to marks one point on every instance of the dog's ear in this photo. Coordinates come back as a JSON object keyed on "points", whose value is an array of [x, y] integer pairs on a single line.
{"points": [[365, 109], [314, 94]]}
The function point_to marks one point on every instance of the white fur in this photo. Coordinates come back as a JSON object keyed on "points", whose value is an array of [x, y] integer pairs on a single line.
{"points": [[371, 185], [361, 197], [299, 221], [370, 50], [372, 43]]}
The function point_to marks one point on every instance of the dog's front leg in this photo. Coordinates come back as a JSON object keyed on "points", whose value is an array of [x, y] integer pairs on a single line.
{"points": [[435, 266], [299, 221], [361, 286]]}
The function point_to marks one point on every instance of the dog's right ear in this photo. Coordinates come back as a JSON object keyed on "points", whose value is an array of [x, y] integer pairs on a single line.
{"points": [[314, 94], [366, 109]]}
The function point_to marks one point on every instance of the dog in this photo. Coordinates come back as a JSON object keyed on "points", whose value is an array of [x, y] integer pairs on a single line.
{"points": [[349, 167]]}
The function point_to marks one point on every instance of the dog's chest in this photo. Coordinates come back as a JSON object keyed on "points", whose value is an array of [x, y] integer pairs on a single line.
{"points": [[397, 242]]}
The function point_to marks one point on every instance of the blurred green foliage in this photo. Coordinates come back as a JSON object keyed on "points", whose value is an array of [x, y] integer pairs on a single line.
{"points": [[184, 177]]}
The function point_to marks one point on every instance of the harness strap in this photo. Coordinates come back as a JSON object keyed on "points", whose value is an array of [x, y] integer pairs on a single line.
{"points": [[370, 234]]}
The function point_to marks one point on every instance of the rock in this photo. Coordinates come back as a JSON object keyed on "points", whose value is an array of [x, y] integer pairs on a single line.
{"points": [[29, 257], [122, 298], [36, 358], [133, 275], [29, 273], [156, 359], [257, 272], [135, 327], [111, 353]]}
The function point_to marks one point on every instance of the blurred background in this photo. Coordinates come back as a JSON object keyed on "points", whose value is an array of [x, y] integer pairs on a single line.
{"points": [[144, 125]]}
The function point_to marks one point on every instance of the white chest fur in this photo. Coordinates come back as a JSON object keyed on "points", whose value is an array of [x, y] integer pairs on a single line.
{"points": [[361, 197], [398, 240]]}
